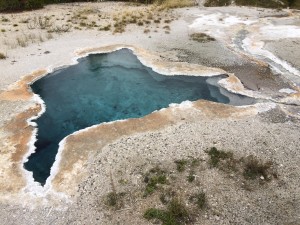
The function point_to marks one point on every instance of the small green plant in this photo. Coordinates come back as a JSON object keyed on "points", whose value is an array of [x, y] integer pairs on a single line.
{"points": [[195, 162], [199, 199], [217, 155], [254, 168], [3, 30], [154, 177], [176, 213], [191, 177], [114, 200], [181, 165]]}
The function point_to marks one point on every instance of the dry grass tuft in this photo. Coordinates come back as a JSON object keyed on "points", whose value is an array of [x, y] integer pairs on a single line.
{"points": [[2, 55], [201, 37]]}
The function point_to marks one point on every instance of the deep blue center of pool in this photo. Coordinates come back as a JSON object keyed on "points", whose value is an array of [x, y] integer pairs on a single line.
{"points": [[103, 88]]}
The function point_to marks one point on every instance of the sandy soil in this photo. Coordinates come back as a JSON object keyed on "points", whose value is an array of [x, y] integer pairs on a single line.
{"points": [[127, 150]]}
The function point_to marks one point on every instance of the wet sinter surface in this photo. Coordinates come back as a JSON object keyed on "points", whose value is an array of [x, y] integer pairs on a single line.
{"points": [[108, 87]]}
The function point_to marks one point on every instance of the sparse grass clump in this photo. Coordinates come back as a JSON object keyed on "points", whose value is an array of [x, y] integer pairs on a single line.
{"points": [[4, 19], [199, 199], [217, 155], [181, 165], [250, 167], [146, 31], [191, 177], [166, 196], [22, 41], [2, 55], [41, 22], [114, 200], [60, 28], [153, 178], [176, 213], [167, 27], [255, 169], [201, 37], [25, 20]]}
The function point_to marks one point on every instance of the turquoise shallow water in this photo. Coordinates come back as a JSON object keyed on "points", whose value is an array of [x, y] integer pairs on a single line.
{"points": [[103, 88]]}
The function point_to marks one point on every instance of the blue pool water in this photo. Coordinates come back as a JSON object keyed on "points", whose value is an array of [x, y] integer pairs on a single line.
{"points": [[102, 88]]}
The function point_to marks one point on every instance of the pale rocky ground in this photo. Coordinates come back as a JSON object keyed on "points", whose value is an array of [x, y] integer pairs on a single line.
{"points": [[231, 199]]}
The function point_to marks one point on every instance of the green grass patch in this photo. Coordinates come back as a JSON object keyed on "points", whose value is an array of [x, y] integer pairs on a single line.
{"points": [[217, 155], [114, 200], [181, 165], [191, 177], [176, 213], [153, 178]]}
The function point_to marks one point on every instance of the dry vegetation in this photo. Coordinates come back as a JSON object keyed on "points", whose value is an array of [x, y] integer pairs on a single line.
{"points": [[201, 37], [2, 55], [30, 28], [172, 192]]}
